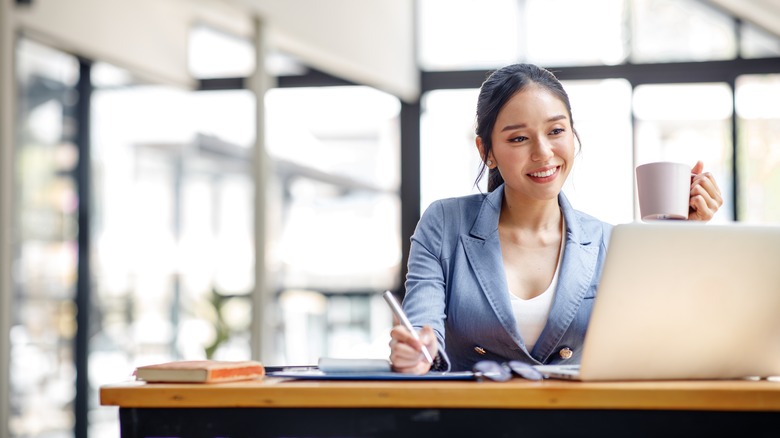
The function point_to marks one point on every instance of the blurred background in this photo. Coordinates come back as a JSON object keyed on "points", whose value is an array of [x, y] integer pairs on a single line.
{"points": [[236, 179]]}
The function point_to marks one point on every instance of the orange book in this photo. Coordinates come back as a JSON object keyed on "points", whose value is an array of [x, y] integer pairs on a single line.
{"points": [[204, 371]]}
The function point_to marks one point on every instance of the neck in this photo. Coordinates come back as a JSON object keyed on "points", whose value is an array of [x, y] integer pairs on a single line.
{"points": [[536, 215]]}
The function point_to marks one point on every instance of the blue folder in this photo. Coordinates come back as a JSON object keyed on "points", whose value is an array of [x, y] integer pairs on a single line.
{"points": [[367, 375]]}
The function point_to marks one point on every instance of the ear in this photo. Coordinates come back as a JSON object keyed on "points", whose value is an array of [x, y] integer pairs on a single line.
{"points": [[481, 149]]}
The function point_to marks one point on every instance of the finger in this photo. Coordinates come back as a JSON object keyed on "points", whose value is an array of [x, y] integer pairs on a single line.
{"points": [[707, 183], [402, 335], [419, 368], [697, 168], [709, 186], [428, 338], [403, 353], [706, 179], [708, 189], [699, 210], [407, 360], [713, 200], [405, 344]]}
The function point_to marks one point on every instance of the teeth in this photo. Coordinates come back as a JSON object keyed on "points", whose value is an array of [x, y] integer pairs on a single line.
{"points": [[544, 174]]}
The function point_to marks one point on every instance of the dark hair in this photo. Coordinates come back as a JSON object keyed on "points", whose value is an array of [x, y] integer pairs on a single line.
{"points": [[497, 89]]}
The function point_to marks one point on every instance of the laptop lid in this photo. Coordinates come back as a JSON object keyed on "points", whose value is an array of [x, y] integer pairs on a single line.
{"points": [[684, 300]]}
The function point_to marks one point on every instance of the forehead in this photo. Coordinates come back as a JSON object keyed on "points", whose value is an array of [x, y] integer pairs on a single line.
{"points": [[533, 100]]}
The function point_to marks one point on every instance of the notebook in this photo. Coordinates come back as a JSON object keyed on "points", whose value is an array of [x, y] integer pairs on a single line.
{"points": [[684, 300]]}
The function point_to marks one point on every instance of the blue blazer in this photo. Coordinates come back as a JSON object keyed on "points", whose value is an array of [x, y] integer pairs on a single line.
{"points": [[456, 283]]}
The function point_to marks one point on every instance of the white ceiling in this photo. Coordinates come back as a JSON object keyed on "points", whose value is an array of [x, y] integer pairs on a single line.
{"points": [[763, 13], [366, 41]]}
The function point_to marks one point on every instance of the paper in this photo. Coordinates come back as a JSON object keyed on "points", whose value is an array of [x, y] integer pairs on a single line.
{"points": [[341, 365]]}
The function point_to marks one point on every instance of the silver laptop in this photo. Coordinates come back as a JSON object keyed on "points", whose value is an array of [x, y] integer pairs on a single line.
{"points": [[683, 300]]}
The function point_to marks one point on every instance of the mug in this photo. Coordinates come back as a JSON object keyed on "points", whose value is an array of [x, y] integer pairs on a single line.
{"points": [[664, 190]]}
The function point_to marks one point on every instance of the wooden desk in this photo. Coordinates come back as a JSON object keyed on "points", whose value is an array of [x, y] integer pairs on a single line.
{"points": [[274, 407]]}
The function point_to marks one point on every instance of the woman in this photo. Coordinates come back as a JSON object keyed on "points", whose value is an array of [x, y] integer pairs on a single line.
{"points": [[512, 274]]}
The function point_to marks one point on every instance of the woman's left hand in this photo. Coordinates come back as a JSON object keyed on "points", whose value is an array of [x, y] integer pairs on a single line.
{"points": [[705, 195]]}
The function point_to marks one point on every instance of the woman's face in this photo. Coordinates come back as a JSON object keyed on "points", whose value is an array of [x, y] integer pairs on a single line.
{"points": [[533, 144]]}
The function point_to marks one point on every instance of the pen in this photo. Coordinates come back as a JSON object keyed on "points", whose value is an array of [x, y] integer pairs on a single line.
{"points": [[395, 306]]}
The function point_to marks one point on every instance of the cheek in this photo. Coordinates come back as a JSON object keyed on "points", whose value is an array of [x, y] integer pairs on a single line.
{"points": [[565, 147], [510, 156]]}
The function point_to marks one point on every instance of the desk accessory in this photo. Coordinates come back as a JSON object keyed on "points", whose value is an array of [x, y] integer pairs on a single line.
{"points": [[203, 371], [398, 311]]}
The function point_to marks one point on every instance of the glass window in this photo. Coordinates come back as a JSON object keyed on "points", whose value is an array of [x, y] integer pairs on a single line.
{"points": [[601, 182], [334, 225], [574, 32], [759, 148], [757, 43], [173, 254], [680, 30], [449, 160], [42, 369], [468, 34], [686, 123]]}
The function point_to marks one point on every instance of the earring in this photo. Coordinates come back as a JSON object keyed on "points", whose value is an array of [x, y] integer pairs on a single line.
{"points": [[489, 163]]}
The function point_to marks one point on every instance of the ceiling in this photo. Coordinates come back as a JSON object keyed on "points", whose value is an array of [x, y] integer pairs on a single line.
{"points": [[762, 13], [150, 36], [365, 41]]}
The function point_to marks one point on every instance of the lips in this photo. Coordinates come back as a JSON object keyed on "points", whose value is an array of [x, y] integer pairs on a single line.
{"points": [[544, 173]]}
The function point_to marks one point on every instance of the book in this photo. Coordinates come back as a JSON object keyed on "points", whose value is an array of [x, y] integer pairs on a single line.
{"points": [[203, 371]]}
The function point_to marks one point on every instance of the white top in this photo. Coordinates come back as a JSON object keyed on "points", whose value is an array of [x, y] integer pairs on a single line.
{"points": [[531, 315]]}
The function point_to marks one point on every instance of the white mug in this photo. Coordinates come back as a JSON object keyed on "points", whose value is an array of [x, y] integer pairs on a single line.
{"points": [[664, 190]]}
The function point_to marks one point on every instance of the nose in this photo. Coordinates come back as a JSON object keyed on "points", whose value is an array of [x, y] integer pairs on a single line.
{"points": [[543, 150]]}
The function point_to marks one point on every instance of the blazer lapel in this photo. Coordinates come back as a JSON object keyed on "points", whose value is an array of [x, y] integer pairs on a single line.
{"points": [[574, 279], [483, 250]]}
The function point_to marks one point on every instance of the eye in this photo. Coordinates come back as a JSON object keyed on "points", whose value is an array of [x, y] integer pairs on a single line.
{"points": [[518, 139], [557, 131]]}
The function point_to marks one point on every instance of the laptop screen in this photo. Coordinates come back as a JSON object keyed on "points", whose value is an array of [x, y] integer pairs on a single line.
{"points": [[684, 300]]}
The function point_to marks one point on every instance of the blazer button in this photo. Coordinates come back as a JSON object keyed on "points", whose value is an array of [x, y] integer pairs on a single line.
{"points": [[480, 350], [566, 353]]}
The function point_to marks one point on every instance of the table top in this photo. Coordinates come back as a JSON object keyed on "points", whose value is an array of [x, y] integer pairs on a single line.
{"points": [[710, 395]]}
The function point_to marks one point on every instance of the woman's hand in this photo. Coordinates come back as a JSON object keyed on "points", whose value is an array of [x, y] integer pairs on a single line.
{"points": [[705, 195], [406, 351]]}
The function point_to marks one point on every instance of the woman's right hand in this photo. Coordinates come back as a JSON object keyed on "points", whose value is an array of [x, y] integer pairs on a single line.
{"points": [[406, 351]]}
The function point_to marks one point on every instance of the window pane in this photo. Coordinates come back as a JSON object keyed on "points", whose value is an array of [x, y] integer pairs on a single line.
{"points": [[173, 245], [686, 123], [228, 116], [42, 370], [757, 43], [575, 32], [467, 34], [680, 30], [601, 181], [334, 218], [449, 161], [759, 148]]}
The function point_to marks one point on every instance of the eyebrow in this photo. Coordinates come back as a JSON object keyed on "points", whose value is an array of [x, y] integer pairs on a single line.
{"points": [[523, 125]]}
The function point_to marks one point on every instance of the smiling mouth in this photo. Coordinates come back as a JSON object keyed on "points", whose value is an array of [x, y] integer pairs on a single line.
{"points": [[544, 174]]}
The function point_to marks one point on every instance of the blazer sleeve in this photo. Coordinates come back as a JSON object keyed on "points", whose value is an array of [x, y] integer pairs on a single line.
{"points": [[425, 298]]}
